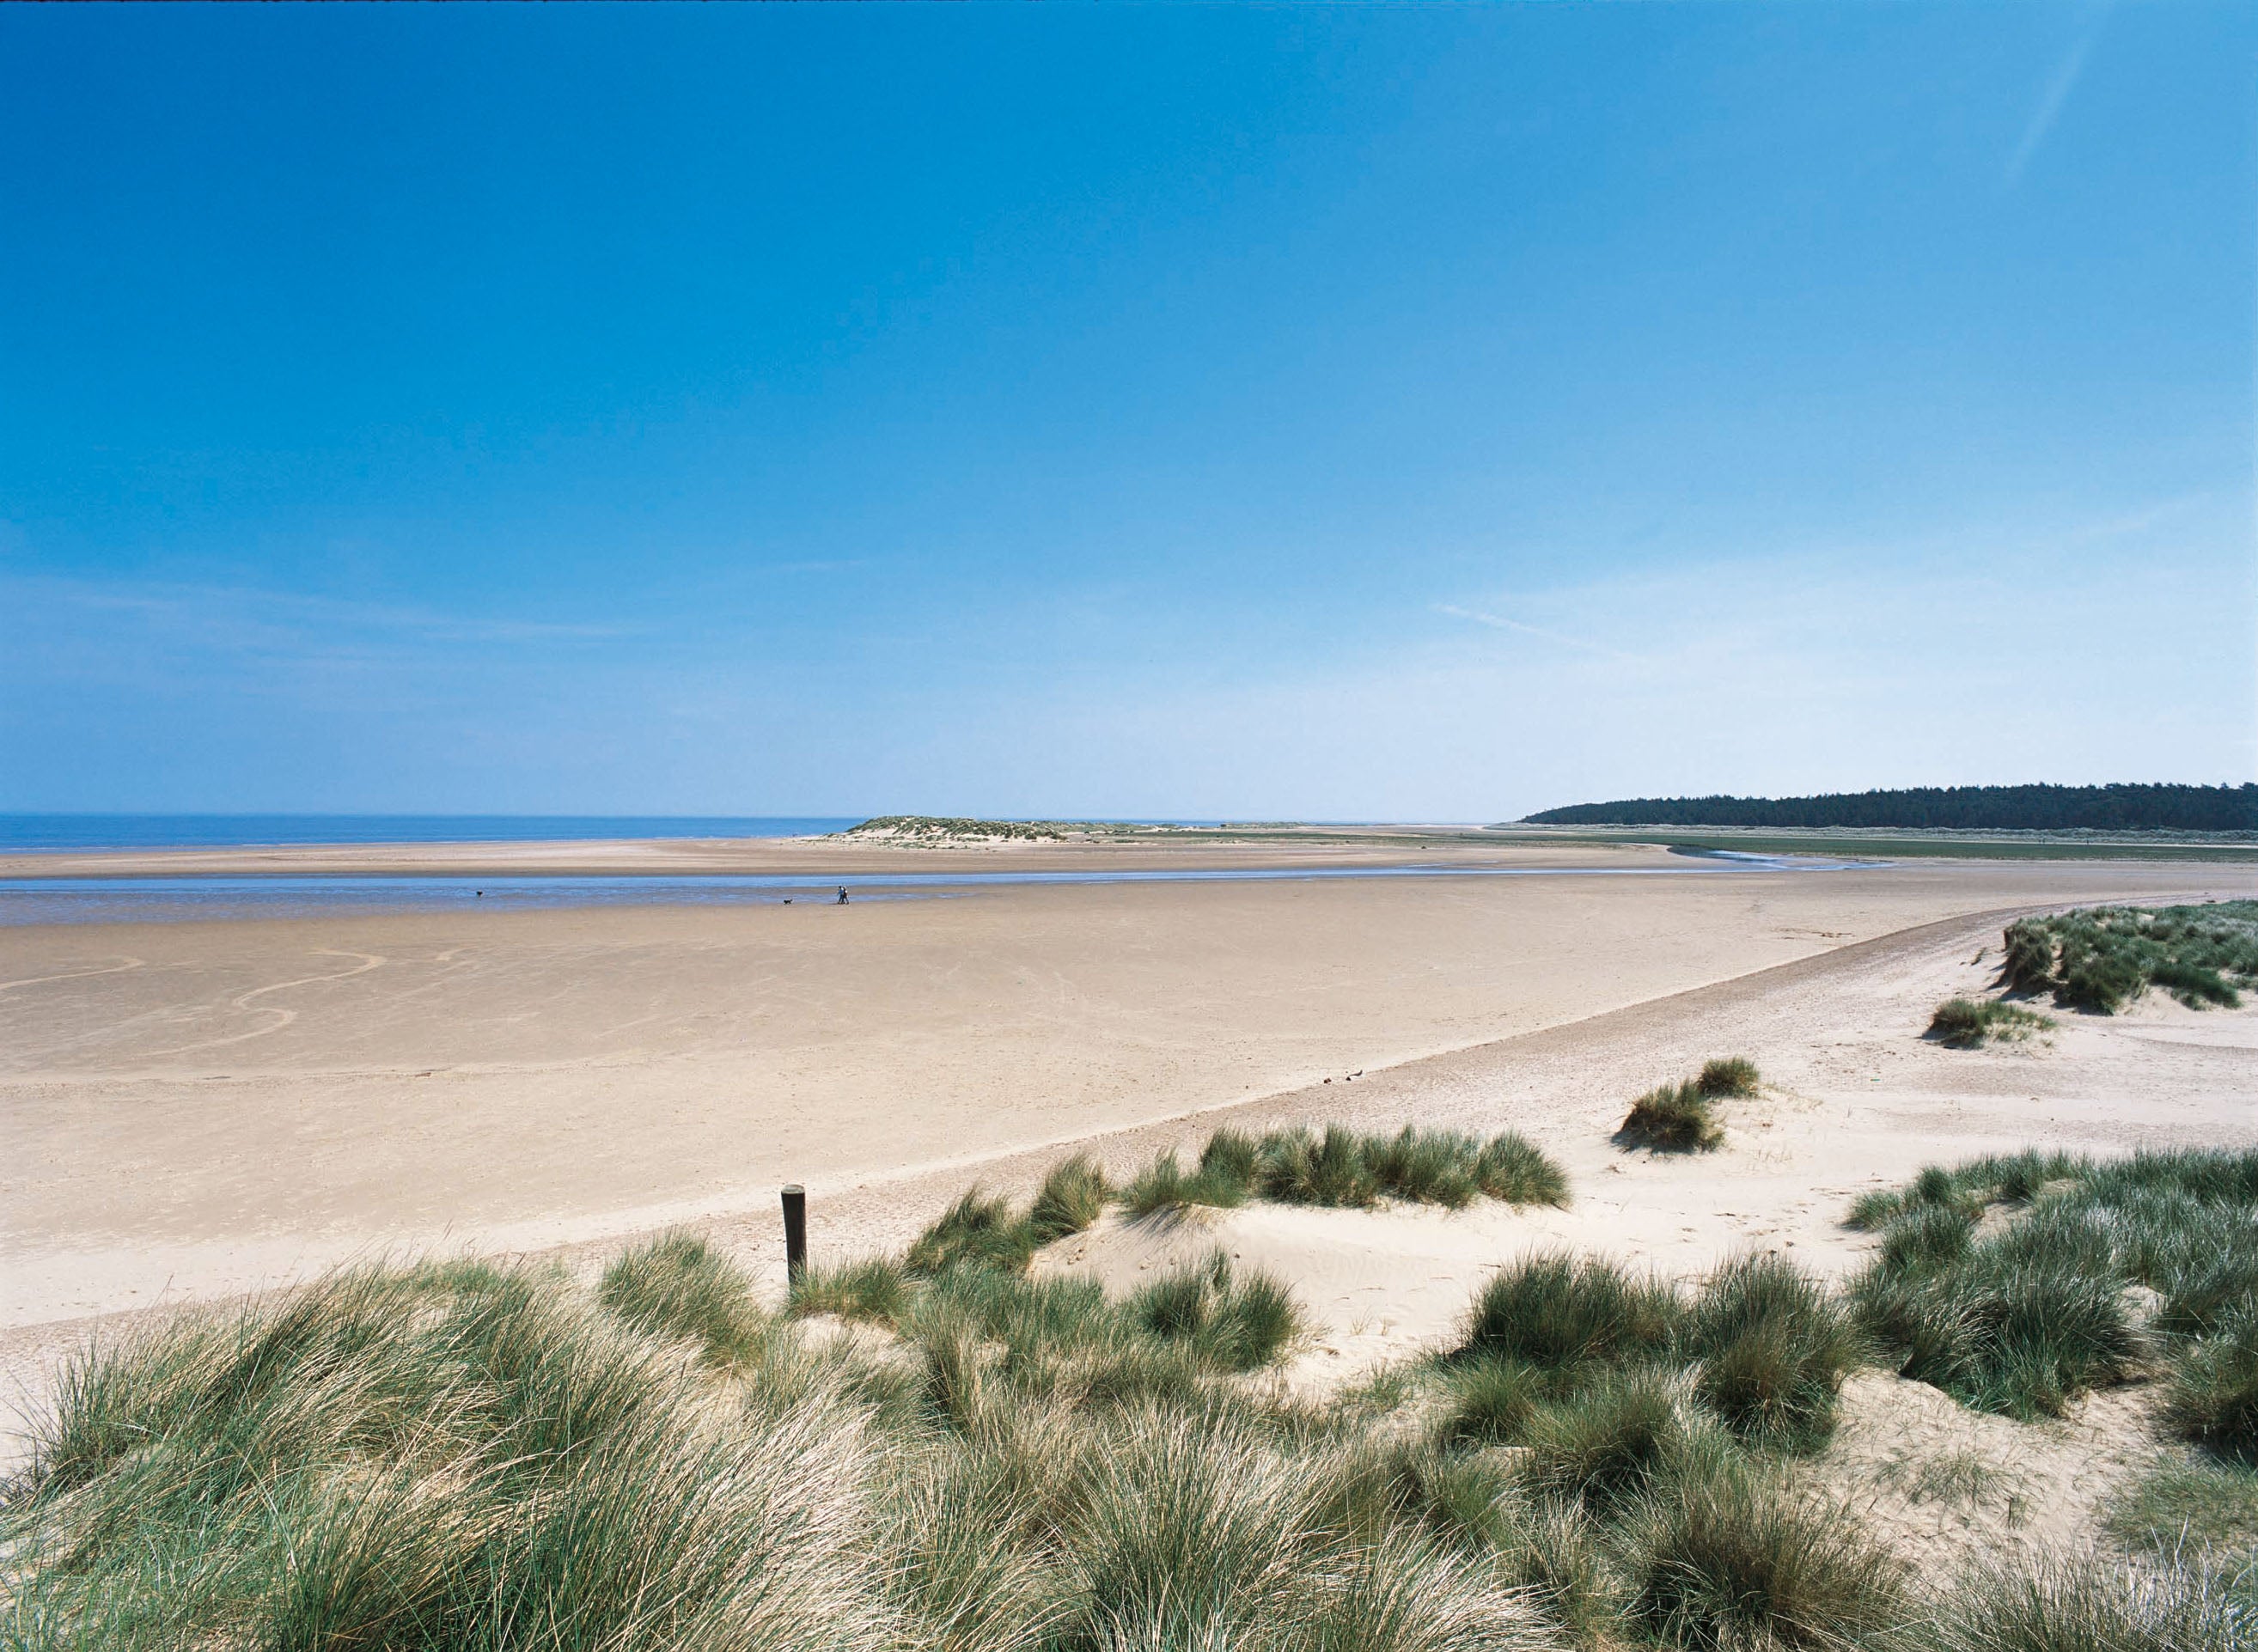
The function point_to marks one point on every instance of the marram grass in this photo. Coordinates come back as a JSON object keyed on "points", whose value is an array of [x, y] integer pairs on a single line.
{"points": [[1964, 1023], [2102, 958], [1344, 1169], [1672, 1119], [2024, 1317], [1682, 1117], [469, 1456]]}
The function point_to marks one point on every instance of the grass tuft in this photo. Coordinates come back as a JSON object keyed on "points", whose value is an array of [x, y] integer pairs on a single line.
{"points": [[1072, 1197], [1725, 1560], [1491, 1401], [1672, 1118], [2212, 1396], [1605, 1440], [1773, 1347], [875, 1290], [678, 1286], [1728, 1075], [1334, 1169], [975, 1230], [1426, 1166], [1233, 1323], [1558, 1312], [1162, 1186], [1966, 1023], [1509, 1167]]}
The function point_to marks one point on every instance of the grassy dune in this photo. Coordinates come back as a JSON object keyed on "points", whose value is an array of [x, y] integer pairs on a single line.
{"points": [[2104, 957], [465, 1456], [2022, 1318]]}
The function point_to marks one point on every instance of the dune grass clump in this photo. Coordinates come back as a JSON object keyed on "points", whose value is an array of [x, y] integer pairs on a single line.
{"points": [[1680, 1118], [1234, 1321], [1342, 1169], [1672, 1118], [2030, 951], [2165, 1603], [2213, 1395], [436, 1457], [1926, 1239], [2005, 1327], [1426, 1166], [1510, 1168], [2013, 1179], [1164, 1185], [1965, 1023], [1333, 1169], [2023, 1317], [1773, 1347], [1728, 1075], [1557, 1312], [680, 1286], [873, 1289], [1204, 1531], [1491, 1398], [2102, 958], [1604, 1440], [1072, 1197], [1555, 1345], [976, 1229], [1727, 1558]]}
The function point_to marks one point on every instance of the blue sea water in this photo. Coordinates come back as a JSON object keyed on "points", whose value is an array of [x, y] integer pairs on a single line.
{"points": [[83, 831]]}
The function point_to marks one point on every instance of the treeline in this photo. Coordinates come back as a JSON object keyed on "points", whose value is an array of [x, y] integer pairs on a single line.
{"points": [[2126, 808]]}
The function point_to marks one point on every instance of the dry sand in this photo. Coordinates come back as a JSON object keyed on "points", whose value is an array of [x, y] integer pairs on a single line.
{"points": [[196, 1109]]}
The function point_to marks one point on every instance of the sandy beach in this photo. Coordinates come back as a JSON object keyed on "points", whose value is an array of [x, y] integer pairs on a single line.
{"points": [[200, 1108]]}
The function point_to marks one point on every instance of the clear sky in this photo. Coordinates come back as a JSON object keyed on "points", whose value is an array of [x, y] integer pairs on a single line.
{"points": [[1348, 413]]}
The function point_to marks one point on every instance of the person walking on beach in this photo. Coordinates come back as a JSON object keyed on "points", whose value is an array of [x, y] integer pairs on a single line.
{"points": [[843, 894]]}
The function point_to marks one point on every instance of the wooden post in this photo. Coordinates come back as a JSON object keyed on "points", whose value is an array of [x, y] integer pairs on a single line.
{"points": [[795, 1232]]}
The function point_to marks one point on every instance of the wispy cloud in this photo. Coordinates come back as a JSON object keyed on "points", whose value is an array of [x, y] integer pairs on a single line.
{"points": [[2058, 88], [1499, 622]]}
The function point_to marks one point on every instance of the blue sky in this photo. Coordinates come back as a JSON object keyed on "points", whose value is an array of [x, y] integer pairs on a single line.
{"points": [[1338, 412]]}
